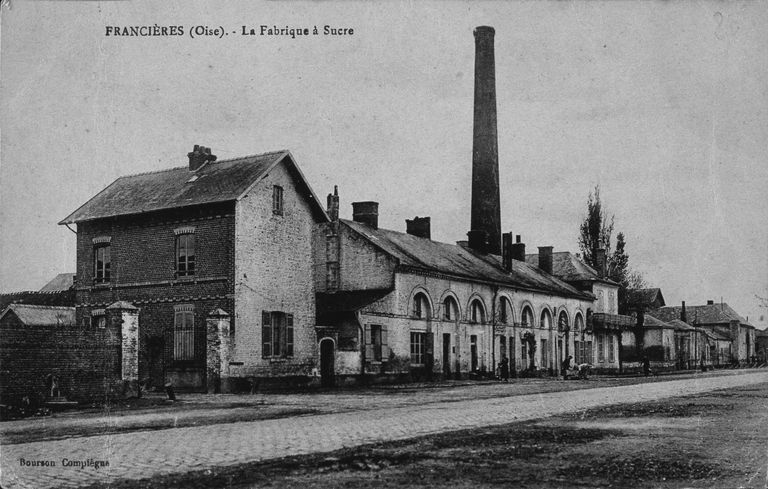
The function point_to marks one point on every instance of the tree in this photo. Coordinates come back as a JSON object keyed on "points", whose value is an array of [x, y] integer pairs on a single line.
{"points": [[595, 231], [618, 262]]}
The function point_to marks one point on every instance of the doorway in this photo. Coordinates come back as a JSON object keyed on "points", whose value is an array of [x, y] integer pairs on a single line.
{"points": [[327, 367], [447, 355], [473, 352]]}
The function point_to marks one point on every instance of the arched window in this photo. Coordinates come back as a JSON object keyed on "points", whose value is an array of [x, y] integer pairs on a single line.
{"points": [[546, 319], [527, 317], [578, 323], [476, 312], [421, 306], [505, 311], [562, 322], [450, 309]]}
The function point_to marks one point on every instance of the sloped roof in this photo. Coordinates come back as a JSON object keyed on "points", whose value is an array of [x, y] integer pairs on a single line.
{"points": [[705, 314], [427, 255], [681, 326], [216, 181], [62, 281], [567, 266], [32, 315], [644, 297], [652, 322]]}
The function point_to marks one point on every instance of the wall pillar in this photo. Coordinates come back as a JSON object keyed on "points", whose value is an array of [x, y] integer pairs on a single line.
{"points": [[125, 317], [218, 345]]}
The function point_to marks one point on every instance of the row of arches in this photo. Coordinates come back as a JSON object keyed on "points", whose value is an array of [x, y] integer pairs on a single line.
{"points": [[421, 307]]}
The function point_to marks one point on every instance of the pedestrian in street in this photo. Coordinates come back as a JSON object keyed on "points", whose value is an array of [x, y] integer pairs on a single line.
{"points": [[646, 366], [566, 366], [504, 368]]}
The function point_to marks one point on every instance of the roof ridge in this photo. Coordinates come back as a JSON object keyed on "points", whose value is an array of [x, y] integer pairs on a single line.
{"points": [[151, 172]]}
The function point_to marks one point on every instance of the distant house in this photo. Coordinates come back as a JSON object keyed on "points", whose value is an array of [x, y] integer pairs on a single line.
{"points": [[600, 342], [62, 281], [720, 319], [34, 315], [659, 342], [644, 299], [761, 345]]}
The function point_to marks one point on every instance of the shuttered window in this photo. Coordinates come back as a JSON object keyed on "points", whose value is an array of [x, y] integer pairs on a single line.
{"points": [[184, 333], [376, 349], [276, 334]]}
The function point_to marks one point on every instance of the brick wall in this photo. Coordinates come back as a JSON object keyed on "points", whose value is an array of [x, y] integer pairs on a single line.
{"points": [[143, 273], [86, 361]]}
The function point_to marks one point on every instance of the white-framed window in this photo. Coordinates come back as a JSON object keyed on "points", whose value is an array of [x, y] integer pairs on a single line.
{"points": [[546, 319], [418, 348], [277, 200], [184, 332], [276, 334]]}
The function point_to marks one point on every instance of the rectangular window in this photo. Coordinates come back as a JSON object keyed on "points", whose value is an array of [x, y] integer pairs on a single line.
{"points": [[417, 348], [98, 318], [184, 333], [577, 352], [277, 200], [276, 334], [611, 350], [544, 354], [524, 353], [185, 255], [102, 263], [600, 348], [375, 343], [588, 356]]}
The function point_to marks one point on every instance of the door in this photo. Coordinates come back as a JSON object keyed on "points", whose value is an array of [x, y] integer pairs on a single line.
{"points": [[447, 354], [155, 347], [327, 357], [473, 352]]}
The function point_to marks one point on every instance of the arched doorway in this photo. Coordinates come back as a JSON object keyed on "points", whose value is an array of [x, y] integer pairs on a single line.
{"points": [[327, 358]]}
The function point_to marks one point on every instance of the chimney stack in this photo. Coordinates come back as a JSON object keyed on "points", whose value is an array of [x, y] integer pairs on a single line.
{"points": [[333, 204], [710, 303], [518, 249], [366, 213], [199, 156], [683, 315], [506, 251], [545, 259], [486, 209], [419, 226], [601, 263], [478, 241]]}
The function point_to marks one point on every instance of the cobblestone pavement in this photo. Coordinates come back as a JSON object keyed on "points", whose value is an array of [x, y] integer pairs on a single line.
{"points": [[144, 454]]}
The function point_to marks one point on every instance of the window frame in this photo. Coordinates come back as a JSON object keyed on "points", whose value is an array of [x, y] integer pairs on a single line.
{"points": [[184, 350], [103, 274], [418, 348], [278, 200], [476, 309], [185, 237], [277, 324], [450, 309]]}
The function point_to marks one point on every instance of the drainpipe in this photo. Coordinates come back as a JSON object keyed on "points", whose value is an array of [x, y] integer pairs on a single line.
{"points": [[362, 345], [493, 329]]}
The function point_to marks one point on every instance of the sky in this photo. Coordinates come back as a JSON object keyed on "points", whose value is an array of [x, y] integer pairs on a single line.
{"points": [[662, 104]]}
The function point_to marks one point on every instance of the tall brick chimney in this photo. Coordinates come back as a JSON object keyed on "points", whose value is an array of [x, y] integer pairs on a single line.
{"points": [[419, 226], [518, 249], [333, 204], [545, 259], [366, 213], [486, 209], [199, 156], [683, 315]]}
